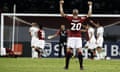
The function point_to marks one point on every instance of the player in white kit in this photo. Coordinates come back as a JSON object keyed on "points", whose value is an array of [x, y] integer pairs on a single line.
{"points": [[99, 39], [91, 41], [34, 39]]}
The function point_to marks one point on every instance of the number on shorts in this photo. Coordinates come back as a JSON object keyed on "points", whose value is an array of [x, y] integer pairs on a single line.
{"points": [[76, 26]]}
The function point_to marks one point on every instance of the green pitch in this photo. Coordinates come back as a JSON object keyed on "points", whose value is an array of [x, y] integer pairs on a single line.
{"points": [[56, 65]]}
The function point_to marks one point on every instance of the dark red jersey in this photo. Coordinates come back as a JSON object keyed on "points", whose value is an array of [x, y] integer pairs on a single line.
{"points": [[75, 25]]}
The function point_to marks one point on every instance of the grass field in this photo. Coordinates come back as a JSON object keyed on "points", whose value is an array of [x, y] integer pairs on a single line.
{"points": [[56, 65]]}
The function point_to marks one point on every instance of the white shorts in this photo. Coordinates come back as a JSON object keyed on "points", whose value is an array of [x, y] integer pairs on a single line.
{"points": [[92, 43], [34, 41], [74, 42], [41, 44], [100, 42]]}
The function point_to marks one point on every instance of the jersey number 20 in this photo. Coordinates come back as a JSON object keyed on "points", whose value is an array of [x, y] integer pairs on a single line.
{"points": [[76, 26]]}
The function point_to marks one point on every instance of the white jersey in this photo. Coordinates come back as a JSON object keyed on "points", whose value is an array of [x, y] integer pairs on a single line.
{"points": [[91, 33], [34, 31], [92, 40], [34, 36], [43, 34], [100, 31]]}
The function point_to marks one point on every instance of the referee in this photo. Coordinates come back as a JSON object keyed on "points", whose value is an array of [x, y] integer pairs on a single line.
{"points": [[62, 32]]}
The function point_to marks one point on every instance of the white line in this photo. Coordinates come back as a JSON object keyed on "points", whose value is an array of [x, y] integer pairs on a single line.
{"points": [[2, 35], [21, 20], [118, 22], [50, 28], [58, 15], [13, 30]]}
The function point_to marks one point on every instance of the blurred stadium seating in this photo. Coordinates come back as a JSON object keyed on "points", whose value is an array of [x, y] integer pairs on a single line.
{"points": [[51, 6]]}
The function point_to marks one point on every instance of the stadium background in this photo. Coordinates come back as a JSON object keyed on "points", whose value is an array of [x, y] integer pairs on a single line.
{"points": [[112, 35]]}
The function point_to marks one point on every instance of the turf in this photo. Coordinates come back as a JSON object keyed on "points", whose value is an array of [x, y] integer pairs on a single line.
{"points": [[56, 65]]}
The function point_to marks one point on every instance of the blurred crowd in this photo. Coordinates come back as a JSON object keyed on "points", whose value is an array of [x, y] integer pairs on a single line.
{"points": [[52, 6]]}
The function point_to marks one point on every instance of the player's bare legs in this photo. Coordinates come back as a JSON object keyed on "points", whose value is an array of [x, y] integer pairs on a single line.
{"points": [[38, 51], [80, 57], [68, 56], [34, 52]]}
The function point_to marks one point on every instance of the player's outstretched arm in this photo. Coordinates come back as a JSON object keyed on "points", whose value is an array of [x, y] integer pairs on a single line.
{"points": [[90, 8], [93, 23], [83, 30], [61, 8], [51, 36]]}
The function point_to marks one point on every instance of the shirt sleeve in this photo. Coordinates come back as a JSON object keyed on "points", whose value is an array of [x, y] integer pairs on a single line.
{"points": [[58, 32], [68, 18], [83, 18], [43, 33]]}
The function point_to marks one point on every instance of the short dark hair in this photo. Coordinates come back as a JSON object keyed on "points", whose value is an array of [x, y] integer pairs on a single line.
{"points": [[40, 26]]}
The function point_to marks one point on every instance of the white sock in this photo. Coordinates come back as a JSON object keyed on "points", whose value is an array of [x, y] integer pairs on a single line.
{"points": [[86, 53], [98, 55], [34, 53]]}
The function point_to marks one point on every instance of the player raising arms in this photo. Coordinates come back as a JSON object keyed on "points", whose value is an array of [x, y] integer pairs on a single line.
{"points": [[74, 34]]}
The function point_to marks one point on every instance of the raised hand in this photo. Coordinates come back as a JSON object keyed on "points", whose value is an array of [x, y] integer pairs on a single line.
{"points": [[90, 2], [61, 1]]}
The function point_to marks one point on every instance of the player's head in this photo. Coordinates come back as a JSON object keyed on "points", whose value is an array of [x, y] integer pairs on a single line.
{"points": [[87, 26], [34, 24], [90, 25], [62, 27], [40, 26], [75, 12], [99, 24]]}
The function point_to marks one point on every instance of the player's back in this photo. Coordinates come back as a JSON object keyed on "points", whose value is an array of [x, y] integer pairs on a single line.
{"points": [[75, 26], [33, 31], [100, 31], [91, 32]]}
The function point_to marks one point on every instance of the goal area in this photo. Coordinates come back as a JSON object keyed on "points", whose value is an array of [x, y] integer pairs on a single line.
{"points": [[15, 27]]}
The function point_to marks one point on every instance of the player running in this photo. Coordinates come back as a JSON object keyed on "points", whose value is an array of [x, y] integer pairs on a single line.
{"points": [[74, 34], [99, 38], [34, 38]]}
